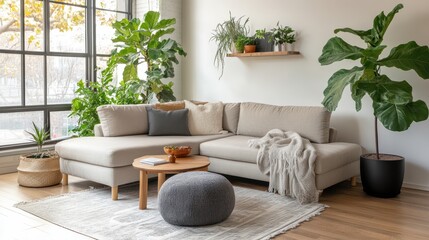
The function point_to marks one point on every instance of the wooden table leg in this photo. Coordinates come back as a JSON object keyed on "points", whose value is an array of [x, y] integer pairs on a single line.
{"points": [[161, 180], [143, 190]]}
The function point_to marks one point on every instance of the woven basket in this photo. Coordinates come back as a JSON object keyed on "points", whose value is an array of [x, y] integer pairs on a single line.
{"points": [[39, 172]]}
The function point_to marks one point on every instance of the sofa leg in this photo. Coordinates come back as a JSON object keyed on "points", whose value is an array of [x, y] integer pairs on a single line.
{"points": [[115, 193], [65, 179], [353, 180]]}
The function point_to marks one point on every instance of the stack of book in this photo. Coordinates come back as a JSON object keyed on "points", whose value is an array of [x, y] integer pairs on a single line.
{"points": [[153, 161]]}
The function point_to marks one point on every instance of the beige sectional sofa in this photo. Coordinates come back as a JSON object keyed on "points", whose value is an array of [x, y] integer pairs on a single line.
{"points": [[107, 159]]}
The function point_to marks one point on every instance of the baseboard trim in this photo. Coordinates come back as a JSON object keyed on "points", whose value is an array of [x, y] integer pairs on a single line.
{"points": [[415, 186]]}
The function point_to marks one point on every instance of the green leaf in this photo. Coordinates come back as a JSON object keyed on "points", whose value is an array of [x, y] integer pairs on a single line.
{"points": [[336, 49], [357, 95], [385, 90], [336, 85], [363, 34], [399, 117], [409, 56], [381, 23], [164, 23], [151, 18], [130, 72]]}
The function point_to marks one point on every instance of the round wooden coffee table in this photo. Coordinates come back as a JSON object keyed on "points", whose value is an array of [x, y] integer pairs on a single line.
{"points": [[185, 164]]}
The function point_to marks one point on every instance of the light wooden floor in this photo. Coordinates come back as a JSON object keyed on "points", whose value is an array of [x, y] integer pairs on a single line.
{"points": [[351, 215]]}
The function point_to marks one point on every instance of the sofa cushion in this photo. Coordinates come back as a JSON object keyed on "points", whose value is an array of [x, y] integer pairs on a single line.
{"points": [[205, 119], [164, 123], [329, 156], [257, 119], [121, 120], [231, 112], [121, 151]]}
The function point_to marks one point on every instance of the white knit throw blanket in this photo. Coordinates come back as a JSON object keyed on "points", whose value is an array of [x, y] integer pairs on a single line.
{"points": [[289, 160]]}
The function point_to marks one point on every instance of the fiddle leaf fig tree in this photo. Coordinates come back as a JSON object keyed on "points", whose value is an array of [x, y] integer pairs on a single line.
{"points": [[146, 42], [392, 101]]}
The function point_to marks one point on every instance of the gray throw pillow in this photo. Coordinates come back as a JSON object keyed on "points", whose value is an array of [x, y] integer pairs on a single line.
{"points": [[162, 123]]}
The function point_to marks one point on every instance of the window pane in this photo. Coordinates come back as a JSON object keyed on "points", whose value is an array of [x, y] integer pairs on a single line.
{"points": [[63, 74], [67, 28], [34, 80], [117, 5], [14, 125], [10, 24], [105, 31], [61, 124], [77, 2], [10, 79], [33, 25]]}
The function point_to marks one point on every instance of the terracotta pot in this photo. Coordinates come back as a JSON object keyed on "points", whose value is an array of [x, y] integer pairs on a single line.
{"points": [[249, 48], [39, 172]]}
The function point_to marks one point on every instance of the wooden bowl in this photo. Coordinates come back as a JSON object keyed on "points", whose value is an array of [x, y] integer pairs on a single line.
{"points": [[178, 151]]}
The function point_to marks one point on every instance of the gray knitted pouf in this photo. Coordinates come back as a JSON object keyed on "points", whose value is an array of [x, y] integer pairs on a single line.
{"points": [[196, 199]]}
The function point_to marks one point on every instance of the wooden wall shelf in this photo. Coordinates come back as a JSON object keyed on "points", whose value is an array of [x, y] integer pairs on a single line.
{"points": [[263, 54]]}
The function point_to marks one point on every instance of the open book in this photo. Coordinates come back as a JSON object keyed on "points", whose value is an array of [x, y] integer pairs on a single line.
{"points": [[153, 161]]}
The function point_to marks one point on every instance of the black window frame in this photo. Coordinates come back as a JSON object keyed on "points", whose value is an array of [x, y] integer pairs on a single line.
{"points": [[90, 56]]}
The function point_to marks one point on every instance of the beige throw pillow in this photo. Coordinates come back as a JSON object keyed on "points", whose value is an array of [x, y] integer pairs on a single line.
{"points": [[122, 120], [205, 119]]}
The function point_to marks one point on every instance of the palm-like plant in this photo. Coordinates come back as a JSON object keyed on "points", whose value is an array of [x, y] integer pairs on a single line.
{"points": [[40, 135]]}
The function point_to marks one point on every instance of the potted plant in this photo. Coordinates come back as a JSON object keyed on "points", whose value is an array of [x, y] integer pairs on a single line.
{"points": [[40, 169], [249, 45], [139, 42], [263, 43], [239, 43], [392, 101], [225, 35], [280, 36]]}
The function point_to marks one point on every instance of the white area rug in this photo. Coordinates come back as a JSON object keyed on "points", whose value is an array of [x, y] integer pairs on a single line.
{"points": [[257, 215]]}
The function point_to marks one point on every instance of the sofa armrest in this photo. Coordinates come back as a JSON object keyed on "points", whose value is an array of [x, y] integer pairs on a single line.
{"points": [[98, 131], [332, 135]]}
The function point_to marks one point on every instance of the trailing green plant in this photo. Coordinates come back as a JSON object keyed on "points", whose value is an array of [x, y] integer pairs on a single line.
{"points": [[225, 35], [392, 101], [282, 34], [145, 42], [39, 135]]}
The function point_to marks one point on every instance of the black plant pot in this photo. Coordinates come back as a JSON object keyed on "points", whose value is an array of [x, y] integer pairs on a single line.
{"points": [[263, 45], [382, 178]]}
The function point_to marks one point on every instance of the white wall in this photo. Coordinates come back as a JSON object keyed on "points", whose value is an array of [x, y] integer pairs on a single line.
{"points": [[300, 80]]}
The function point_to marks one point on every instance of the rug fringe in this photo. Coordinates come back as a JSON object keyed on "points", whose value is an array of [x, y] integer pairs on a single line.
{"points": [[295, 225]]}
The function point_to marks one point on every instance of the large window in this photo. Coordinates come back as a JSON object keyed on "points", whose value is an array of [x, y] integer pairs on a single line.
{"points": [[46, 47]]}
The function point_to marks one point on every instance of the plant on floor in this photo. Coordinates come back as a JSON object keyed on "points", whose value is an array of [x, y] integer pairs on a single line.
{"points": [[145, 42], [225, 35], [140, 42], [39, 136], [392, 101]]}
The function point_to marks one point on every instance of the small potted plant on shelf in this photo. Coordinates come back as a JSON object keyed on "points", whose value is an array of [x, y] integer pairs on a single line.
{"points": [[263, 43], [225, 35], [42, 168], [249, 45], [239, 43], [392, 101], [281, 36]]}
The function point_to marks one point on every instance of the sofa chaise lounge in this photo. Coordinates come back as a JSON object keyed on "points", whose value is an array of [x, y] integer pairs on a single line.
{"points": [[122, 137]]}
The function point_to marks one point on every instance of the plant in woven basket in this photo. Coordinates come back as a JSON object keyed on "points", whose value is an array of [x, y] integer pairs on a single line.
{"points": [[40, 135], [40, 169]]}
